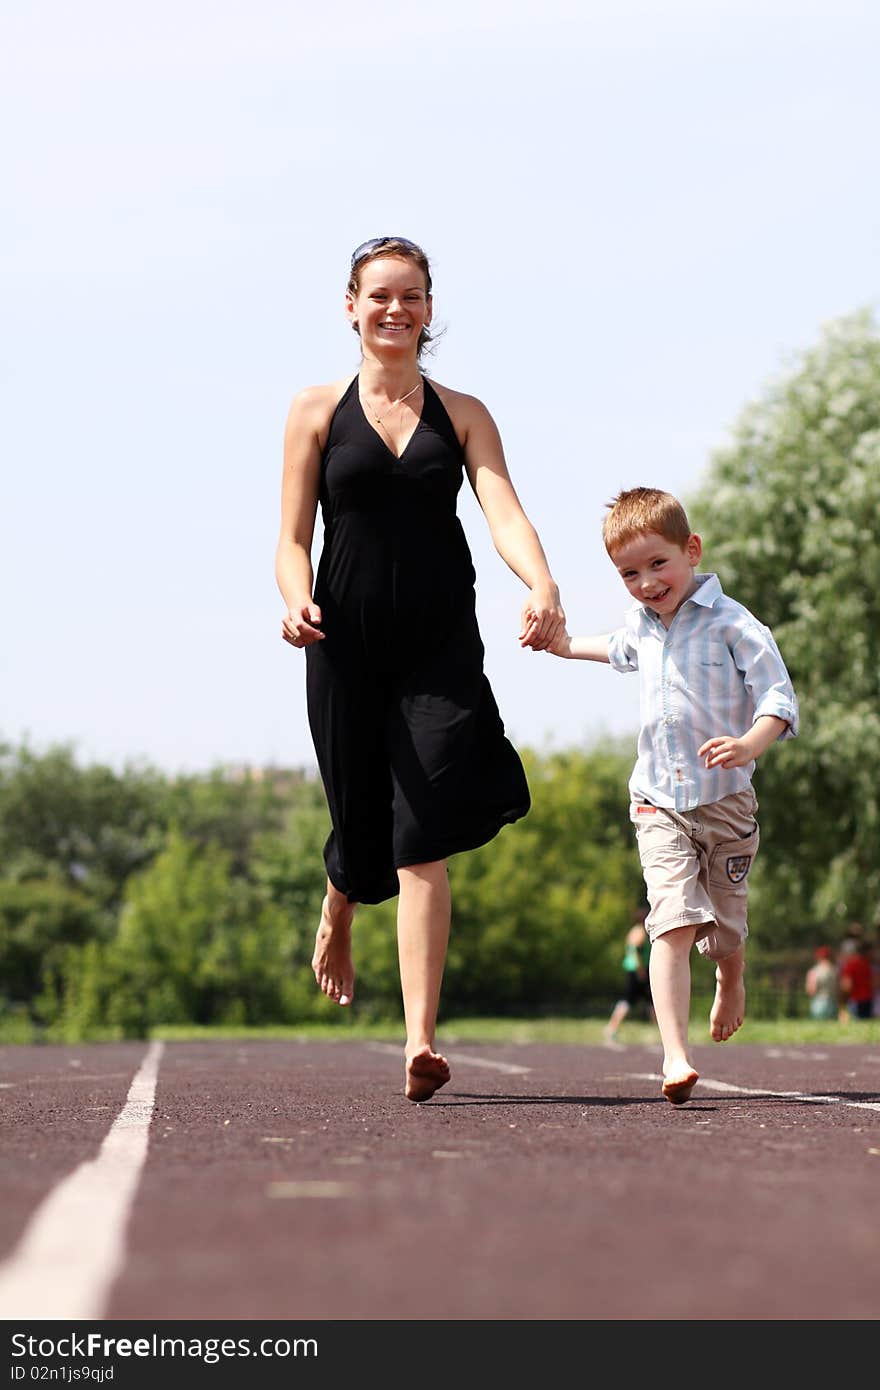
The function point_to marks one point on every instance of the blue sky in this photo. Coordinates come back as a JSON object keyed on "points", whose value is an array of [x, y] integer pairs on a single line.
{"points": [[636, 215]]}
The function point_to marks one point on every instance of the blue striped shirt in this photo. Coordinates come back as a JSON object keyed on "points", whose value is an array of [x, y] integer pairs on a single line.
{"points": [[712, 672]]}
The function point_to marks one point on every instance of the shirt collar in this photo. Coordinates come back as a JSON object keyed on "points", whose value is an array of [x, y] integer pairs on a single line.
{"points": [[707, 591]]}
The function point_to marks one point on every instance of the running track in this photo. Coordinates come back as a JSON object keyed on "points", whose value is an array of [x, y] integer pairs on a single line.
{"points": [[291, 1180]]}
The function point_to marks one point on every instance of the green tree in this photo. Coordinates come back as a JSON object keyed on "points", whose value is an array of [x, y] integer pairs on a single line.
{"points": [[38, 919], [230, 808], [195, 944], [789, 518], [91, 825]]}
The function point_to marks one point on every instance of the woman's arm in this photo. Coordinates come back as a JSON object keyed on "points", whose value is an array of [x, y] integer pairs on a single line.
{"points": [[299, 505], [513, 535]]}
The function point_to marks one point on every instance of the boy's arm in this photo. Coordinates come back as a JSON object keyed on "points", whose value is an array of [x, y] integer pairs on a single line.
{"points": [[776, 706], [767, 680], [581, 648], [726, 751]]}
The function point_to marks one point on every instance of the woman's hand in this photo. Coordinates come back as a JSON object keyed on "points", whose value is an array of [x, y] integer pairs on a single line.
{"points": [[543, 618], [301, 626]]}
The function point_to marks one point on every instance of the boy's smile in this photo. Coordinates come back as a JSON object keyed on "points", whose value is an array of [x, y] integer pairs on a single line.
{"points": [[658, 572]]}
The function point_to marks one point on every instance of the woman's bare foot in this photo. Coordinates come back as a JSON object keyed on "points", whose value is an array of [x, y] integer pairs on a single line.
{"points": [[678, 1084], [426, 1072], [729, 1009], [332, 963]]}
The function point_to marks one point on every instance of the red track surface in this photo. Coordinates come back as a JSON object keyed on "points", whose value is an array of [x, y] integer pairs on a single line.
{"points": [[289, 1180]]}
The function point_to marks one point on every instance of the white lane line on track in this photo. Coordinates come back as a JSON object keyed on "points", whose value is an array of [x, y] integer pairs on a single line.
{"points": [[461, 1058], [74, 1244], [780, 1095]]}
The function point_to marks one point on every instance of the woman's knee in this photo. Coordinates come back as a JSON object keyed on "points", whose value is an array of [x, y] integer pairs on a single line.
{"points": [[430, 875]]}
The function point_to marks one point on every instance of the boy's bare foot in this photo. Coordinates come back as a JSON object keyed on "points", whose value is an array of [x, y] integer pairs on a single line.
{"points": [[426, 1072], [729, 1009], [332, 963], [677, 1086]]}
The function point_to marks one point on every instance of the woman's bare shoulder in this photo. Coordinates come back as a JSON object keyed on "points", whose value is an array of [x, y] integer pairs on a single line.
{"points": [[459, 400], [465, 411], [314, 405]]}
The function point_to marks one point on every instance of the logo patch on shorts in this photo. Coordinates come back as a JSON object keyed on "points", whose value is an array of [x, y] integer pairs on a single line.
{"points": [[738, 867], [641, 809]]}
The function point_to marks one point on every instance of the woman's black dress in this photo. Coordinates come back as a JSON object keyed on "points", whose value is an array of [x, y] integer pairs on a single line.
{"points": [[409, 741]]}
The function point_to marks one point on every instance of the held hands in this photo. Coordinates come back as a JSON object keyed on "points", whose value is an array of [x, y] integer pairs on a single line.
{"points": [[543, 619], [561, 644], [301, 625]]}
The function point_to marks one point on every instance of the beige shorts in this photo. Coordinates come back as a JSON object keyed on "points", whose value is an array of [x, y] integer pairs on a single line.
{"points": [[696, 866]]}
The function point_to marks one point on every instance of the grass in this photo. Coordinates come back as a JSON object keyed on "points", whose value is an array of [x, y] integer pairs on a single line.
{"points": [[501, 1031], [583, 1031]]}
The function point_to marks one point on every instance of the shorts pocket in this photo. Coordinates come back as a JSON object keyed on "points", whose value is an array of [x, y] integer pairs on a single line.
{"points": [[730, 863]]}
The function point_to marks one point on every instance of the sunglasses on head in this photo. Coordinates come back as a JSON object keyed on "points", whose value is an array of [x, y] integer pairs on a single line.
{"points": [[366, 248]]}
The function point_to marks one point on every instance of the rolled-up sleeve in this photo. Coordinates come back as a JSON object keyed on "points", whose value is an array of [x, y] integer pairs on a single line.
{"points": [[623, 652], [766, 678]]}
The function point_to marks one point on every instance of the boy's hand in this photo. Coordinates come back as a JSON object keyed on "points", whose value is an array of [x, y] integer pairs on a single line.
{"points": [[561, 644], [726, 752], [736, 752]]}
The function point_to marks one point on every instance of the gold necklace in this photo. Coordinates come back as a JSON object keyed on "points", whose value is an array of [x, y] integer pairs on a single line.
{"points": [[380, 419]]}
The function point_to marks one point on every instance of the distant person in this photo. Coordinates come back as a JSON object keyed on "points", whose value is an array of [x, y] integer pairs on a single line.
{"points": [[409, 741], [852, 939], [822, 985], [714, 694], [857, 981], [637, 989]]}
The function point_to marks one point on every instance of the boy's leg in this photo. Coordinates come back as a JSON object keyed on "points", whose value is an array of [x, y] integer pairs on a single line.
{"points": [[731, 840], [680, 908], [423, 918], [729, 1008], [670, 972]]}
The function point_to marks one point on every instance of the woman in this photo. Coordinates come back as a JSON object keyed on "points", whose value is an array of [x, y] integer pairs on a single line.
{"points": [[407, 734]]}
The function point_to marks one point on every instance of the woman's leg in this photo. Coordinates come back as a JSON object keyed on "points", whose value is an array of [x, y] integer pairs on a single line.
{"points": [[670, 972], [332, 962], [423, 917]]}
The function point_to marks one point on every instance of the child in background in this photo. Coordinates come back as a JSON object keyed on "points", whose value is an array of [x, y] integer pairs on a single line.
{"points": [[637, 991], [821, 985]]}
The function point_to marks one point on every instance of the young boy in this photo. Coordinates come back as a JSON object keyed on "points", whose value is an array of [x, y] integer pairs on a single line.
{"points": [[714, 694]]}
